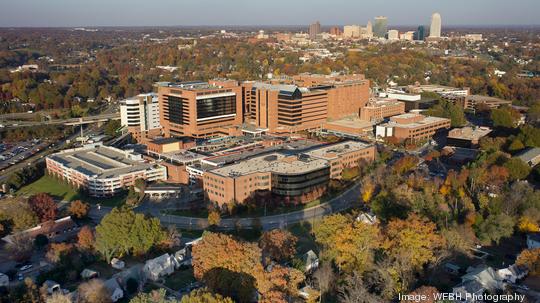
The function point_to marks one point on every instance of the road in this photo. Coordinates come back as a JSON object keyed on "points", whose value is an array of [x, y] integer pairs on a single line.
{"points": [[342, 202], [71, 121]]}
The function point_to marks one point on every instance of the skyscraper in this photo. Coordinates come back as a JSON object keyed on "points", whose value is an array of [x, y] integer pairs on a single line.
{"points": [[420, 33], [435, 28], [314, 30], [381, 26], [369, 30]]}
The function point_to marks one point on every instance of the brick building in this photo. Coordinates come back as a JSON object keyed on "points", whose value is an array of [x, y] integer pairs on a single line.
{"points": [[413, 127]]}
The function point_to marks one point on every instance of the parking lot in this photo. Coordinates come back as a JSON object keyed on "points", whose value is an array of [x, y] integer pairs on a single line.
{"points": [[13, 153]]}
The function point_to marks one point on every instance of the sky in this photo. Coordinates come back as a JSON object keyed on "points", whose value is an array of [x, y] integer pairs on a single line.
{"points": [[70, 13]]}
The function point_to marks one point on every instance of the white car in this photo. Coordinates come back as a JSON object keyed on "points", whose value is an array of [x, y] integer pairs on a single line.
{"points": [[26, 267]]}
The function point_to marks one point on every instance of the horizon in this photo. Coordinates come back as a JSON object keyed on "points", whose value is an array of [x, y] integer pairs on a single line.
{"points": [[243, 13]]}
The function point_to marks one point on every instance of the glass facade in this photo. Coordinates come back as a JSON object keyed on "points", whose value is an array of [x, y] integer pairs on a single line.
{"points": [[176, 110], [296, 185], [213, 107]]}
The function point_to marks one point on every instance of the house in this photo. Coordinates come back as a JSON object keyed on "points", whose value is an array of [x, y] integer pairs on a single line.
{"points": [[533, 241], [476, 282], [52, 286], [367, 218], [88, 274], [531, 156], [513, 273], [56, 231], [161, 266], [115, 290], [310, 261], [4, 280], [183, 257], [117, 263]]}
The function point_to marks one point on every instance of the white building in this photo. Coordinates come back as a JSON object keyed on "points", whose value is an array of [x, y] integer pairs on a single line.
{"points": [[393, 34], [140, 114], [436, 24], [103, 170], [351, 31], [408, 36]]}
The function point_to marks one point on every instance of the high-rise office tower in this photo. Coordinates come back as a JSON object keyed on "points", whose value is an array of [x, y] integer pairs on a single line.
{"points": [[336, 31], [369, 30], [314, 30], [435, 29], [380, 27], [420, 33]]}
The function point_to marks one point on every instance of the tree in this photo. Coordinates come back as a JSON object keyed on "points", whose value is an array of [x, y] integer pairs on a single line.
{"points": [[214, 218], [122, 232], [155, 296], [445, 109], [58, 297], [43, 206], [350, 245], [413, 240], [20, 247], [41, 241], [354, 291], [93, 291], [278, 245], [202, 295], [504, 117], [427, 292], [111, 127], [494, 228], [79, 209], [517, 169], [325, 277], [531, 259], [86, 238], [234, 268], [57, 250], [528, 225]]}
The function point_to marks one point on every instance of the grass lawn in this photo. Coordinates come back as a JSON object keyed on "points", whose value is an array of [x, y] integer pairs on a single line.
{"points": [[61, 191], [180, 279], [51, 186]]}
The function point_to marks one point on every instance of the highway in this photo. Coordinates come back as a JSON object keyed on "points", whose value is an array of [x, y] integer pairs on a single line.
{"points": [[70, 121]]}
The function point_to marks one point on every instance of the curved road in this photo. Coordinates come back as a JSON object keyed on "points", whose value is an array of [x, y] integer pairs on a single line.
{"points": [[344, 201]]}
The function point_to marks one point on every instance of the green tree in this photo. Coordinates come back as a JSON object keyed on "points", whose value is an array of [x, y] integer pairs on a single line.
{"points": [[445, 109], [504, 117], [517, 169], [494, 228], [111, 127], [123, 232]]}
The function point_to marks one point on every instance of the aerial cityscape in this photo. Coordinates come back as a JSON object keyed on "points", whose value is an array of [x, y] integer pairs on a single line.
{"points": [[233, 151]]}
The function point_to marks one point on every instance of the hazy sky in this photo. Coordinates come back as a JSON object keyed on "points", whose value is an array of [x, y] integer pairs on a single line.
{"points": [[267, 12]]}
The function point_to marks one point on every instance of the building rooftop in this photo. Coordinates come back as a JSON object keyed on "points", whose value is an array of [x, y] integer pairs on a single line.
{"points": [[100, 161], [274, 162], [480, 98], [415, 120], [377, 103], [529, 154], [469, 133], [333, 151], [190, 85]]}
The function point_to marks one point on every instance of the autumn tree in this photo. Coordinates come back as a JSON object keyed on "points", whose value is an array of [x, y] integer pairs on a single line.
{"points": [[429, 292], [86, 238], [351, 245], [93, 291], [531, 259], [203, 295], [214, 218], [233, 268], [43, 206], [278, 244], [57, 250], [354, 290], [413, 240], [79, 209], [20, 247]]}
